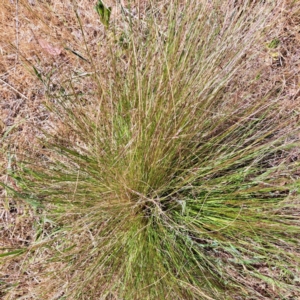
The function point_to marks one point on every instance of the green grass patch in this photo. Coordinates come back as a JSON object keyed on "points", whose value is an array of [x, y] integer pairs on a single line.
{"points": [[164, 187]]}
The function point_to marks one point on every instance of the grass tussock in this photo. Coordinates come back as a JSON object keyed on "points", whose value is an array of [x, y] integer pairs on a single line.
{"points": [[161, 177]]}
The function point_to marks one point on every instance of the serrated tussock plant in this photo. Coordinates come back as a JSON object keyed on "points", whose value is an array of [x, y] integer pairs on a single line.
{"points": [[162, 184]]}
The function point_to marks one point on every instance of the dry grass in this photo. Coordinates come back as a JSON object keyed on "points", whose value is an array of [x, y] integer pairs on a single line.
{"points": [[38, 33]]}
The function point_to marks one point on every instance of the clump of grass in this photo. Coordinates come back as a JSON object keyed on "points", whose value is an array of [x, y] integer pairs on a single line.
{"points": [[165, 186], [274, 43]]}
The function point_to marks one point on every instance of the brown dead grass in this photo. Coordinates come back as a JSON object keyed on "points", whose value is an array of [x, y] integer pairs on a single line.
{"points": [[25, 38]]}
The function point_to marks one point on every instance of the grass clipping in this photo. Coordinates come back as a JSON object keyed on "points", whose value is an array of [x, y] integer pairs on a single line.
{"points": [[164, 185]]}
